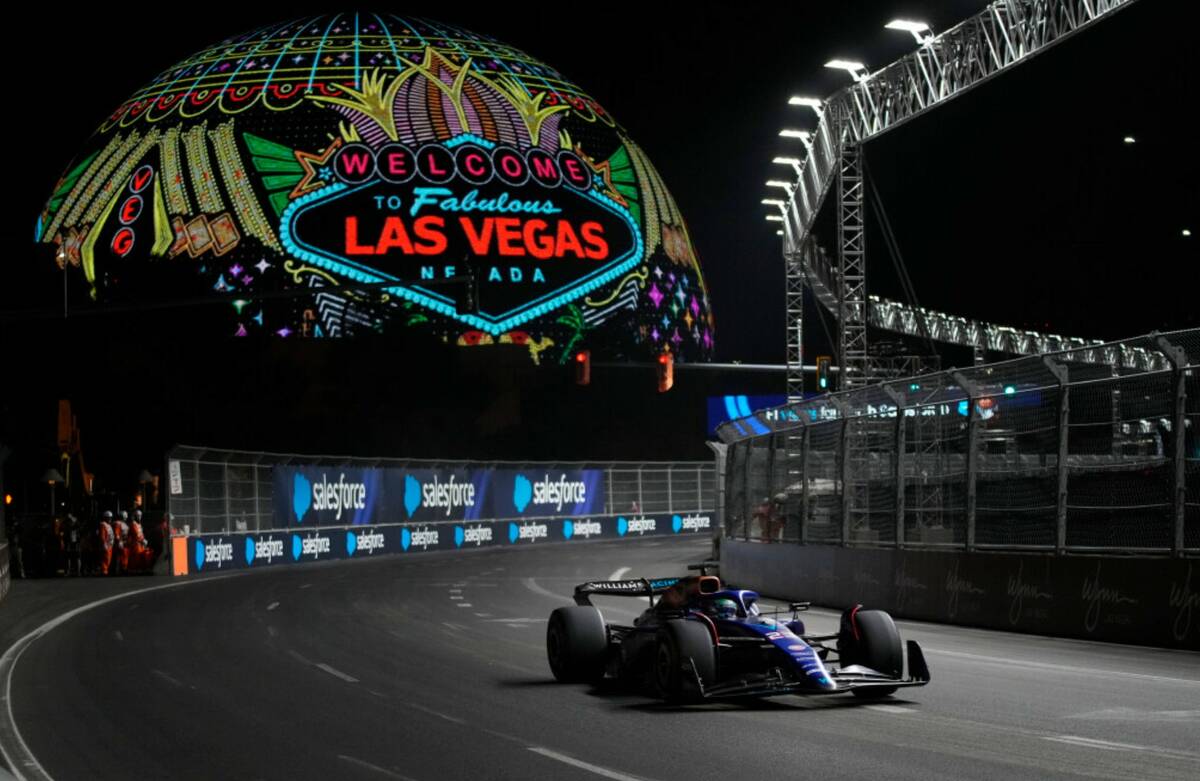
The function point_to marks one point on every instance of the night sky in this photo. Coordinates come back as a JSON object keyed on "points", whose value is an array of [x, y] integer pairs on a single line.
{"points": [[1018, 203]]}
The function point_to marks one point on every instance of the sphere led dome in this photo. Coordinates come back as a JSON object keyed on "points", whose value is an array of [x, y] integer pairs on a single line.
{"points": [[362, 173]]}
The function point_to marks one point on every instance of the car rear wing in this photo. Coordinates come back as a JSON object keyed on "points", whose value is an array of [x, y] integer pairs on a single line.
{"points": [[645, 587], [633, 587]]}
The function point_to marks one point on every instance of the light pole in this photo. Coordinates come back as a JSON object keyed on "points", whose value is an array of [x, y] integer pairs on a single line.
{"points": [[856, 69], [919, 30], [52, 477]]}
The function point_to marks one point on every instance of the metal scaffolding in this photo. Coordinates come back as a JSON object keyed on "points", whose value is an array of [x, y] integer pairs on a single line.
{"points": [[1005, 34]]}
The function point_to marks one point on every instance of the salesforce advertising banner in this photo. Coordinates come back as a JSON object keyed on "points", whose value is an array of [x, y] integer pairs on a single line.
{"points": [[320, 496], [540, 493], [220, 552], [440, 495]]}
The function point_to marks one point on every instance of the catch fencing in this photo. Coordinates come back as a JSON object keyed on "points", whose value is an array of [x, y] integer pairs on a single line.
{"points": [[225, 491], [1060, 452]]}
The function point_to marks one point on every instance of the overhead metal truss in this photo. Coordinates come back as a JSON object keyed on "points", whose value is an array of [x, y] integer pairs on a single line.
{"points": [[1005, 34], [813, 267]]}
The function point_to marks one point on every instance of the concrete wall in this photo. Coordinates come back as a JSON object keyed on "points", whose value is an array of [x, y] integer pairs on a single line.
{"points": [[1151, 601]]}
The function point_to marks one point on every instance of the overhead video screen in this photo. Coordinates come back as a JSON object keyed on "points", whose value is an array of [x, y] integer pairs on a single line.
{"points": [[360, 173]]}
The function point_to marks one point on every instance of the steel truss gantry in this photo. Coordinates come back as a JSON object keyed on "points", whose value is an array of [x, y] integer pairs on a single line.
{"points": [[1005, 34]]}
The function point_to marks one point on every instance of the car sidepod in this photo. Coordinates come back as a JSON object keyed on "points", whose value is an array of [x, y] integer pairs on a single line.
{"points": [[806, 664]]}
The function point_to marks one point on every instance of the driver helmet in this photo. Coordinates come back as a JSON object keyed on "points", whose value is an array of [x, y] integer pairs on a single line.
{"points": [[108, 514], [722, 608]]}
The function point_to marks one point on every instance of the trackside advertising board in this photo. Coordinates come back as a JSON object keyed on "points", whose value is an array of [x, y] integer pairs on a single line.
{"points": [[306, 496], [219, 552]]}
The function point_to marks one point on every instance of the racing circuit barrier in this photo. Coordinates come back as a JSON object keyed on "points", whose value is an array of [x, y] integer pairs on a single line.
{"points": [[5, 574], [239, 510], [1079, 477]]}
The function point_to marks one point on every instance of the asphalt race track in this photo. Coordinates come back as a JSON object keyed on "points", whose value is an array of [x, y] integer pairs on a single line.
{"points": [[433, 667]]}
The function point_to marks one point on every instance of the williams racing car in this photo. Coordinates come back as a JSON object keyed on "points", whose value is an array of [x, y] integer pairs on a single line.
{"points": [[699, 640]]}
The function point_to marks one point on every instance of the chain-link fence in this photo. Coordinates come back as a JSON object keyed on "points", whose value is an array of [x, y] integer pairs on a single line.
{"points": [[215, 490], [1070, 451]]}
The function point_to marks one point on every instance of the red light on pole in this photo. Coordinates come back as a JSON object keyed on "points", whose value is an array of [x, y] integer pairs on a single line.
{"points": [[583, 367]]}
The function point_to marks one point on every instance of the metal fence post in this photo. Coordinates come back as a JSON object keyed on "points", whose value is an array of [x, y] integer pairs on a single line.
{"points": [[670, 492], [1064, 416], [847, 494], [771, 443], [640, 502], [898, 400], [225, 484], [700, 487], [804, 485], [972, 455], [257, 509], [1179, 362], [746, 504], [196, 494]]}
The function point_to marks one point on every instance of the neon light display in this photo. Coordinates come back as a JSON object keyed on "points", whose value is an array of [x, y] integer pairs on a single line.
{"points": [[394, 174]]}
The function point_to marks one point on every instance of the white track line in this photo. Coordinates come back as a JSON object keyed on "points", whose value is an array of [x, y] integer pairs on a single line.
{"points": [[336, 673], [169, 679], [897, 709], [433, 712], [17, 756], [272, 606], [616, 775], [369, 766], [532, 585], [618, 574], [1105, 745]]}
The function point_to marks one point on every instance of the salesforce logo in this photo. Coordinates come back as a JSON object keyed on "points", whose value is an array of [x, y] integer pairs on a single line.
{"points": [[264, 550], [366, 541], [423, 538], [312, 545], [412, 494], [547, 492], [444, 498], [527, 531], [216, 552], [635, 525], [338, 496], [301, 496], [522, 493], [472, 535], [583, 529], [689, 523]]}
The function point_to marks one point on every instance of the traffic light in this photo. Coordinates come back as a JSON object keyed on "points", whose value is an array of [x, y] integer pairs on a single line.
{"points": [[823, 365], [666, 372], [583, 367]]}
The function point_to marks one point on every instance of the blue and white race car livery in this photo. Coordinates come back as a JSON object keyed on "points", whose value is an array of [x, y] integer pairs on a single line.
{"points": [[700, 640]]}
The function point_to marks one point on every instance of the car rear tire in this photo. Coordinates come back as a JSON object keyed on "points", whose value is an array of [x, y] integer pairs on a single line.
{"points": [[876, 645], [678, 642], [576, 644]]}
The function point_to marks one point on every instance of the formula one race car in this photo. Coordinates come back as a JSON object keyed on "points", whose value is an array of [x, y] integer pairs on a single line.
{"points": [[699, 640]]}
